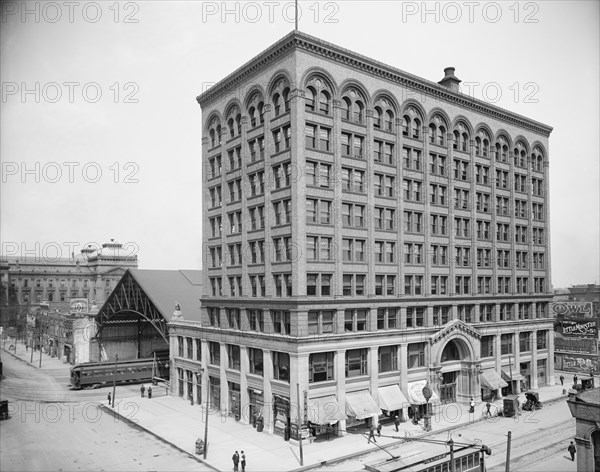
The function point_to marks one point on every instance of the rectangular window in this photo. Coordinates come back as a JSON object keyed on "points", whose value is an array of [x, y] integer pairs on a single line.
{"points": [[320, 367], [387, 358], [255, 358], [233, 354], [356, 362], [506, 341], [281, 366], [416, 355]]}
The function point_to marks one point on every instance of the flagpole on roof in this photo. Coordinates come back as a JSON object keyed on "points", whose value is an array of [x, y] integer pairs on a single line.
{"points": [[296, 16]]}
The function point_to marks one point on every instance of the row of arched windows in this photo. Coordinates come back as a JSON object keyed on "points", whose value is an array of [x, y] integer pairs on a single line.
{"points": [[318, 97]]}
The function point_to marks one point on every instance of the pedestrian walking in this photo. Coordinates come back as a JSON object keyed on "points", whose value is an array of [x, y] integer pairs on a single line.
{"points": [[142, 390], [575, 379], [396, 422], [236, 460], [243, 462], [109, 398], [518, 407], [562, 379], [472, 406], [572, 450], [488, 410], [149, 392], [371, 435], [379, 426]]}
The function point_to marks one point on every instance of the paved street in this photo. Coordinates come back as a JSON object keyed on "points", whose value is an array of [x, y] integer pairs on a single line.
{"points": [[44, 406], [68, 433]]}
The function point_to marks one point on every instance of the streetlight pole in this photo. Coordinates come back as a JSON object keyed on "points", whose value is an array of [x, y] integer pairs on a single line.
{"points": [[115, 380], [206, 429], [41, 336], [299, 428]]}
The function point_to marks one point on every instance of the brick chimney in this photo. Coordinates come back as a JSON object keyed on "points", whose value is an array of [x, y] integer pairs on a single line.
{"points": [[450, 81]]}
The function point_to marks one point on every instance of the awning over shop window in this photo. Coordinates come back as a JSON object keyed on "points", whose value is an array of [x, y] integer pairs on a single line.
{"points": [[415, 393], [325, 410], [516, 375], [361, 405], [491, 380], [391, 398]]}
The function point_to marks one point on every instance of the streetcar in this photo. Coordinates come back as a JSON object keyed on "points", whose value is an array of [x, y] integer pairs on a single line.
{"points": [[466, 459], [97, 374]]}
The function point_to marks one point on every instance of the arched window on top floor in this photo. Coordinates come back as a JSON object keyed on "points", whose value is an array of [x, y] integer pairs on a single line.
{"points": [[256, 110], [501, 151], [461, 138], [520, 156], [437, 134], [318, 96], [346, 106], [482, 144], [537, 160], [277, 104], [389, 121], [231, 128], [238, 124], [309, 99], [324, 102], [377, 118], [411, 126], [286, 99], [213, 140], [358, 115], [353, 106], [384, 115]]}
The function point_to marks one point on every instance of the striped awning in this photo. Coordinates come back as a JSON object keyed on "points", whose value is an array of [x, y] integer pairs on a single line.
{"points": [[415, 393], [325, 410], [516, 375], [491, 380], [391, 398], [361, 405]]}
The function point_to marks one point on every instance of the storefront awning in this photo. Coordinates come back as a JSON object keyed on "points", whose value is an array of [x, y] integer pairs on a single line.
{"points": [[325, 410], [391, 398], [361, 405], [415, 393], [516, 375], [490, 379]]}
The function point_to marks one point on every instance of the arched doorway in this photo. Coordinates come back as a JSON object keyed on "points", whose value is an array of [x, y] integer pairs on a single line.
{"points": [[454, 380]]}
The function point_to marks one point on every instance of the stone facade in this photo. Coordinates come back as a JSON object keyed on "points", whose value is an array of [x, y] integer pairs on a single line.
{"points": [[363, 228]]}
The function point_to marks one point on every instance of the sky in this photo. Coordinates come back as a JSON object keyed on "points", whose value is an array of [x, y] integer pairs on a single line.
{"points": [[101, 134]]}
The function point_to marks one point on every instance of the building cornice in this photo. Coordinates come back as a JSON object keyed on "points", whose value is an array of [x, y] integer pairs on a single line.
{"points": [[301, 41]]}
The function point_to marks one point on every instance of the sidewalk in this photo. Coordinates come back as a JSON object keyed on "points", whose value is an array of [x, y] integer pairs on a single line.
{"points": [[177, 422], [24, 354]]}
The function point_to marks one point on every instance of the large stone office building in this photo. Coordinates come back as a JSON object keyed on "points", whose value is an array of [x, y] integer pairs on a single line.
{"points": [[366, 231]]}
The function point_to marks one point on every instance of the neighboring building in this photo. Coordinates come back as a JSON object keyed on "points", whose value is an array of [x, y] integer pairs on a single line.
{"points": [[366, 231], [576, 337], [65, 334], [585, 407], [91, 275], [133, 321], [586, 293]]}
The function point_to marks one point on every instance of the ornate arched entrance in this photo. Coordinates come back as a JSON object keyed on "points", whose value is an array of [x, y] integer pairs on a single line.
{"points": [[453, 369]]}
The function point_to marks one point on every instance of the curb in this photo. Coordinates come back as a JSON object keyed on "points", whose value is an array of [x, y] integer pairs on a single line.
{"points": [[137, 426], [19, 358], [402, 441]]}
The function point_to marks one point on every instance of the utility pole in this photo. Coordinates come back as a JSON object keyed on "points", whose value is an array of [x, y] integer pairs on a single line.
{"points": [[115, 380], [299, 428], [41, 334], [206, 429], [507, 468], [452, 465]]}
